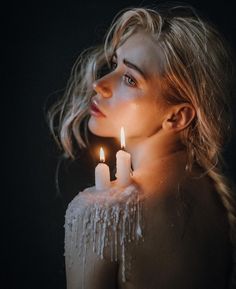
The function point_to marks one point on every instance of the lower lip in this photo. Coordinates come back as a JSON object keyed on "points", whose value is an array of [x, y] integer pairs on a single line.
{"points": [[96, 113]]}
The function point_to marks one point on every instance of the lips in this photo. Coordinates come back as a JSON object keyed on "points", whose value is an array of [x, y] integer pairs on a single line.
{"points": [[94, 110]]}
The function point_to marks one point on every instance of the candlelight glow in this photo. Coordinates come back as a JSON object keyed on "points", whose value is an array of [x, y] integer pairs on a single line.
{"points": [[122, 137], [102, 155]]}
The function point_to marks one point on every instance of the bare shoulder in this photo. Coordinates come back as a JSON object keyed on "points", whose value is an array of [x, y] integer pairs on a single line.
{"points": [[103, 216], [88, 260]]}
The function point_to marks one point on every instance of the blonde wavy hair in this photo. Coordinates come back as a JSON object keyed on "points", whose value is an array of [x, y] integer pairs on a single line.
{"points": [[197, 68]]}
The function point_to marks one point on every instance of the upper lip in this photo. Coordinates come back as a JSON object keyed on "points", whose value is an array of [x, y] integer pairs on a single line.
{"points": [[94, 104]]}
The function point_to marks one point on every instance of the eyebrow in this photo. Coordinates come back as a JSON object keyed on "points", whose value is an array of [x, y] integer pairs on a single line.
{"points": [[132, 66]]}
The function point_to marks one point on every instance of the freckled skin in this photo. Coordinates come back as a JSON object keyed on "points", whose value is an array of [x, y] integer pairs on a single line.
{"points": [[125, 104]]}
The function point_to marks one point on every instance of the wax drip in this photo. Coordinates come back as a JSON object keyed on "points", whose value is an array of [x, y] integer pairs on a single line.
{"points": [[109, 220]]}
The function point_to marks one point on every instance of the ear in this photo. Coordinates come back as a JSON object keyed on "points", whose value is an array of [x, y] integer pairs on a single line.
{"points": [[179, 117]]}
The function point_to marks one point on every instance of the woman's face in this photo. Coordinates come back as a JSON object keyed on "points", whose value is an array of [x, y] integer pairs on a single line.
{"points": [[128, 95]]}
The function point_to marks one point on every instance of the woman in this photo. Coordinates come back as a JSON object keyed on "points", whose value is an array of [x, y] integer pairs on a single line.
{"points": [[168, 84]]}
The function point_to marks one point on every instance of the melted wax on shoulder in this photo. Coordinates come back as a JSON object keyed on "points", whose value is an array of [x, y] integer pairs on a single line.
{"points": [[108, 219]]}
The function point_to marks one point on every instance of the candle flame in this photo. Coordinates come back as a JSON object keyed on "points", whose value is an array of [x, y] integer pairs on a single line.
{"points": [[122, 137], [102, 155]]}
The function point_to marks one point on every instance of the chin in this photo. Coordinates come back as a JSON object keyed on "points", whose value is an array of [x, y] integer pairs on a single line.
{"points": [[98, 129]]}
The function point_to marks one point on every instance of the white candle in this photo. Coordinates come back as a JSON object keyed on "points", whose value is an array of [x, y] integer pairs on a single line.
{"points": [[102, 173], [123, 163]]}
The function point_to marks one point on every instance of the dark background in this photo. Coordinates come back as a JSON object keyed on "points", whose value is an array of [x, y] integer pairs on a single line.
{"points": [[40, 43]]}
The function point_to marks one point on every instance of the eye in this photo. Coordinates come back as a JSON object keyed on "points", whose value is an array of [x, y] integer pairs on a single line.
{"points": [[129, 80]]}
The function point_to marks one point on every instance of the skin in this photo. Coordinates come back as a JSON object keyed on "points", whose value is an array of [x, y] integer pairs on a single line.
{"points": [[125, 97], [180, 248]]}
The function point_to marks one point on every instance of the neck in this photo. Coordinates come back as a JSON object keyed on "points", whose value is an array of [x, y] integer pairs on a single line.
{"points": [[148, 151]]}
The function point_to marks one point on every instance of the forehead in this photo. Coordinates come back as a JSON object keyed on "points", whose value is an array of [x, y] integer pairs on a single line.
{"points": [[143, 51]]}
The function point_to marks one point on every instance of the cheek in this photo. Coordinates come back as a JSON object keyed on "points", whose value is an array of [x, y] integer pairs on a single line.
{"points": [[138, 118], [126, 111]]}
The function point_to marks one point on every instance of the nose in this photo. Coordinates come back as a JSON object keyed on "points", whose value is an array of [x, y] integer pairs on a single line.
{"points": [[102, 87]]}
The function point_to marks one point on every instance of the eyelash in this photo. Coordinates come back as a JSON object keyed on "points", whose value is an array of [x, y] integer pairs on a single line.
{"points": [[126, 76]]}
